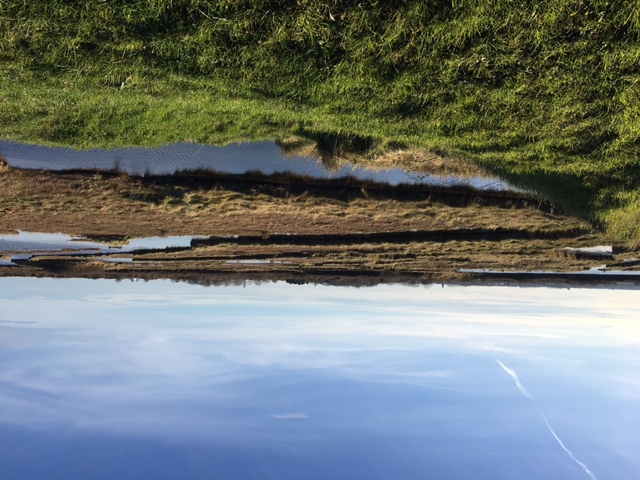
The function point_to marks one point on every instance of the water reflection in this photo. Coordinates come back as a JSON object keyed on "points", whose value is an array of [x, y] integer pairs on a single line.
{"points": [[235, 159], [164, 380], [32, 244]]}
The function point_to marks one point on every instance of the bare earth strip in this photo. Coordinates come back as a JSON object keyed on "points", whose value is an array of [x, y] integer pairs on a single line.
{"points": [[272, 231]]}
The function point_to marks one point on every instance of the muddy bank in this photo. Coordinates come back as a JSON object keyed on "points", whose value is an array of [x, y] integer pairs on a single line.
{"points": [[255, 230], [95, 204], [359, 264]]}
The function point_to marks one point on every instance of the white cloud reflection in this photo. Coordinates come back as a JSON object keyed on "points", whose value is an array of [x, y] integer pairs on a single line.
{"points": [[290, 416], [179, 360]]}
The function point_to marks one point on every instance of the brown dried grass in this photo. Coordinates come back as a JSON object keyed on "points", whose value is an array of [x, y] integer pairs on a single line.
{"points": [[422, 161]]}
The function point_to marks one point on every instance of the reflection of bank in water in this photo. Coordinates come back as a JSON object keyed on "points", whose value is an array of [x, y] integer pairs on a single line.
{"points": [[259, 158]]}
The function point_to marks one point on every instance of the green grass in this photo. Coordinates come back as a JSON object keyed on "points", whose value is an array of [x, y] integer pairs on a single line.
{"points": [[546, 93]]}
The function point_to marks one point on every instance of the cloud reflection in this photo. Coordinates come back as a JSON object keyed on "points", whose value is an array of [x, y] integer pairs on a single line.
{"points": [[290, 416], [222, 364]]}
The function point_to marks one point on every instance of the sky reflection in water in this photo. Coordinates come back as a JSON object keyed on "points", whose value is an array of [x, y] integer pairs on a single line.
{"points": [[234, 159], [159, 380]]}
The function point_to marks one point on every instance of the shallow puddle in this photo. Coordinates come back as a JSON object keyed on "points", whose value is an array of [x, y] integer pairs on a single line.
{"points": [[264, 158], [596, 272], [44, 242], [41, 244], [115, 259], [251, 261]]}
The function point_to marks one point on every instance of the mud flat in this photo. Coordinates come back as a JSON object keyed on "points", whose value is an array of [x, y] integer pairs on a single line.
{"points": [[281, 226], [366, 264]]}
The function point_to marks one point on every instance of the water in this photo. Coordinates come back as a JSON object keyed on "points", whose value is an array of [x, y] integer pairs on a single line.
{"points": [[253, 261], [44, 244], [235, 159], [136, 380]]}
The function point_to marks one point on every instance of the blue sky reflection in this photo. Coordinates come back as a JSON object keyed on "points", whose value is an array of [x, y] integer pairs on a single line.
{"points": [[164, 380]]}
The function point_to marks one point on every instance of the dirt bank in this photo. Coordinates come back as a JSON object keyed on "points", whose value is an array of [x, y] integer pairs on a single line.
{"points": [[287, 231]]}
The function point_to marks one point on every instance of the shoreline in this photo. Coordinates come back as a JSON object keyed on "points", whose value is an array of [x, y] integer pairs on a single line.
{"points": [[301, 232]]}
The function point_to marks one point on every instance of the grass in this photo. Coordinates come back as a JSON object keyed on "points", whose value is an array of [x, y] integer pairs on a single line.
{"points": [[546, 93]]}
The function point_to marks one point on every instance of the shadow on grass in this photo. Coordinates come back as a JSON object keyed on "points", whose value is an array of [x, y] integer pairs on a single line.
{"points": [[569, 193]]}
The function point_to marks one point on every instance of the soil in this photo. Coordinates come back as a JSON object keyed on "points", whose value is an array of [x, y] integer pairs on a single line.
{"points": [[269, 229]]}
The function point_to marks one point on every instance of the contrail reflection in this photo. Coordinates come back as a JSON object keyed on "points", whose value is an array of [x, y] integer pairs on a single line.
{"points": [[525, 392], [582, 465], [514, 375]]}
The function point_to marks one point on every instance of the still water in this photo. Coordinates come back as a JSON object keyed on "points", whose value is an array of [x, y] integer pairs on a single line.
{"points": [[161, 380], [26, 245], [265, 158]]}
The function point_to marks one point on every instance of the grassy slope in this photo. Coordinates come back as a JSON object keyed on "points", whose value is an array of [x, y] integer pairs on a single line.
{"points": [[545, 92]]}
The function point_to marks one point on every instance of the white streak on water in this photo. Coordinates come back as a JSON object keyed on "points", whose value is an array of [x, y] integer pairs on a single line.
{"points": [[290, 416], [525, 392], [514, 375], [582, 465]]}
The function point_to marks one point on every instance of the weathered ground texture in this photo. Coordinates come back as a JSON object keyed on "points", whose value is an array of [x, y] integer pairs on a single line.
{"points": [[267, 230]]}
